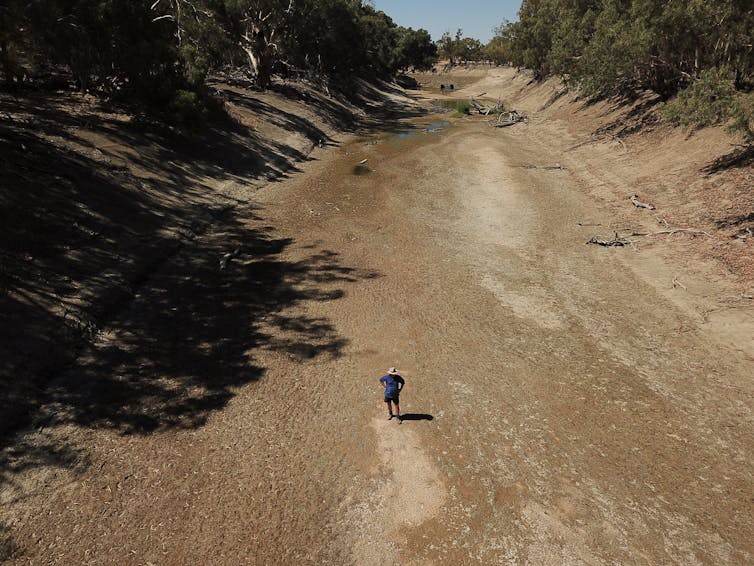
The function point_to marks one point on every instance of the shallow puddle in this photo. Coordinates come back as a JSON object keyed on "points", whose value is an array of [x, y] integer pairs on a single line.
{"points": [[393, 139], [432, 128]]}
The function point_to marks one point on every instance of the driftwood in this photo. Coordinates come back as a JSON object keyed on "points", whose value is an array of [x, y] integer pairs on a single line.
{"points": [[638, 204], [617, 241], [677, 284], [486, 110], [673, 231], [226, 258], [621, 241], [509, 119], [546, 167]]}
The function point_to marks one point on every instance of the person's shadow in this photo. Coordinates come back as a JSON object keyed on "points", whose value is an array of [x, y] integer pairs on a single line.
{"points": [[416, 417]]}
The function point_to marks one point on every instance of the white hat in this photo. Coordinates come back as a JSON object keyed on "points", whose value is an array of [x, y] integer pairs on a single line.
{"points": [[392, 371]]}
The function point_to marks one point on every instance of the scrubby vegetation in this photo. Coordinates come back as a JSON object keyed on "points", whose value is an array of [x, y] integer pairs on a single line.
{"points": [[696, 54], [161, 51], [457, 48]]}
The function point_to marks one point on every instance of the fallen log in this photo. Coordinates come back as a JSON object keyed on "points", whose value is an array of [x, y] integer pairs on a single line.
{"points": [[511, 118], [485, 110]]}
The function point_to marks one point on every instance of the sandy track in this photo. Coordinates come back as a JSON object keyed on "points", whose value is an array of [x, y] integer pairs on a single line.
{"points": [[578, 415]]}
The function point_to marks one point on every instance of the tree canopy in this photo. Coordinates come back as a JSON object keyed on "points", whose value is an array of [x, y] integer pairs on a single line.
{"points": [[617, 46], [696, 54], [157, 48]]}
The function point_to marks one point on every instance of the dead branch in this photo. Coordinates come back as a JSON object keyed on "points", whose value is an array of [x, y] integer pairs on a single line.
{"points": [[673, 231], [485, 110], [598, 139], [677, 284], [617, 241], [509, 119], [546, 167], [226, 258], [638, 204]]}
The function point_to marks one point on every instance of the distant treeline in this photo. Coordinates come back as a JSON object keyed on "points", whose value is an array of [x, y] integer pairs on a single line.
{"points": [[158, 49], [699, 53]]}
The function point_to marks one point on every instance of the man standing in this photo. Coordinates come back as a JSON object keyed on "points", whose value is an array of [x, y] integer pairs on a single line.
{"points": [[393, 384]]}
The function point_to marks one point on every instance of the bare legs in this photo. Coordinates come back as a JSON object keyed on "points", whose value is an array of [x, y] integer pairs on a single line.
{"points": [[397, 410]]}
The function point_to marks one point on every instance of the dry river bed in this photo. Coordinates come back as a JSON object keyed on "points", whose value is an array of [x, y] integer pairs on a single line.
{"points": [[560, 409]]}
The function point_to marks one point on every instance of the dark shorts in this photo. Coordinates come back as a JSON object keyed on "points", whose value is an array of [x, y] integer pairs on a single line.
{"points": [[392, 399]]}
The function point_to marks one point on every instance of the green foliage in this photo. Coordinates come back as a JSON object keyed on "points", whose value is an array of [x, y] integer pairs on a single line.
{"points": [[463, 107], [500, 48], [187, 109], [706, 102], [619, 47], [695, 54], [13, 19], [451, 47], [381, 56], [159, 51], [470, 49], [460, 107], [416, 49], [742, 115], [445, 47]]}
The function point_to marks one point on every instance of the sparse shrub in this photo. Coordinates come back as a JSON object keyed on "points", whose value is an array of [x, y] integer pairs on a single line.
{"points": [[463, 107], [742, 114], [196, 65], [188, 110], [706, 102]]}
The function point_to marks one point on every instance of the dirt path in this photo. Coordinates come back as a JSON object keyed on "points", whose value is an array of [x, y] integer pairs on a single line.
{"points": [[562, 409]]}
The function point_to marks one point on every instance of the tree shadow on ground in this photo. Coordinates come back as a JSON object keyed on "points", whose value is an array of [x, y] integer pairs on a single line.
{"points": [[24, 455], [330, 110], [417, 417], [93, 201], [382, 108], [8, 548], [44, 451], [634, 115], [114, 310], [190, 338], [185, 345], [736, 159], [743, 222], [276, 116]]}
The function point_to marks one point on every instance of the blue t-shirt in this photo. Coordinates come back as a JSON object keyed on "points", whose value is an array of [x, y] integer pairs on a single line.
{"points": [[391, 382]]}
